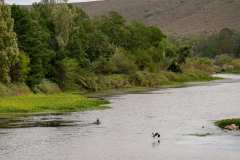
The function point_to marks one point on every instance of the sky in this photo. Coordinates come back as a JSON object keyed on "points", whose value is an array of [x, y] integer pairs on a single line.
{"points": [[31, 1]]}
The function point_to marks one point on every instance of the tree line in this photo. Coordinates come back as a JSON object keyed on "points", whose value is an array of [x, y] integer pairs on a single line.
{"points": [[59, 42]]}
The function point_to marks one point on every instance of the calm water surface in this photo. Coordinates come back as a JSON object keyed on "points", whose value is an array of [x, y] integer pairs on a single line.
{"points": [[125, 133]]}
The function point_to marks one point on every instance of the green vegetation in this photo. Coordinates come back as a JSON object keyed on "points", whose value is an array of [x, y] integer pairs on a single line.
{"points": [[61, 48], [55, 47], [226, 122], [223, 48], [48, 103], [227, 41]]}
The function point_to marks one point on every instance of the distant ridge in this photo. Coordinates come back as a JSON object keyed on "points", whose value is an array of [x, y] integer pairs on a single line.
{"points": [[176, 17]]}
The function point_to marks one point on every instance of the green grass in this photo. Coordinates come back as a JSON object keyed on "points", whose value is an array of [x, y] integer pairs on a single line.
{"points": [[49, 103], [223, 123]]}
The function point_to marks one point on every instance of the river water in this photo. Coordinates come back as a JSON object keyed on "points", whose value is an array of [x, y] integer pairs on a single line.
{"points": [[183, 116]]}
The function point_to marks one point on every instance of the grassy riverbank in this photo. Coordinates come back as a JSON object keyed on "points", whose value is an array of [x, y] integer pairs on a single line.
{"points": [[23, 101], [49, 103]]}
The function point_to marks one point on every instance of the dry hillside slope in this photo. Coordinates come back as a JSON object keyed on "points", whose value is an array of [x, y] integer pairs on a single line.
{"points": [[176, 17]]}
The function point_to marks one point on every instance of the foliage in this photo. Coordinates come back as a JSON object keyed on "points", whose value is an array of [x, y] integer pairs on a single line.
{"points": [[67, 73], [223, 59], [226, 41], [9, 52], [225, 122], [58, 44], [47, 87], [201, 63]]}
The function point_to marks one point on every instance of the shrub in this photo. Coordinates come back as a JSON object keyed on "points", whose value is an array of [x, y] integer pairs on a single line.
{"points": [[203, 64], [14, 89], [121, 63], [223, 60], [47, 87], [103, 66], [236, 65], [146, 79]]}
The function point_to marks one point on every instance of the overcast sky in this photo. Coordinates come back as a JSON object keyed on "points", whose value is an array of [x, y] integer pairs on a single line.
{"points": [[31, 1]]}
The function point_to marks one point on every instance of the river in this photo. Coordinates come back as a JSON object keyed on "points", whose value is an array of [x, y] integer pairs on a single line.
{"points": [[183, 116]]}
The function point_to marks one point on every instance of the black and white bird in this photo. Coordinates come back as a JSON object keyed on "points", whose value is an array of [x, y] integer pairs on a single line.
{"points": [[156, 135]]}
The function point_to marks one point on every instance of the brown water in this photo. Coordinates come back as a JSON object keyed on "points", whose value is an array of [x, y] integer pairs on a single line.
{"points": [[125, 133]]}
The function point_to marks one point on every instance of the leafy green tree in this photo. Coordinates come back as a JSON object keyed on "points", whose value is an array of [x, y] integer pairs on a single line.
{"points": [[80, 37], [99, 46], [62, 18], [59, 42], [9, 51], [20, 69], [143, 37], [114, 27], [34, 41], [67, 73], [183, 53]]}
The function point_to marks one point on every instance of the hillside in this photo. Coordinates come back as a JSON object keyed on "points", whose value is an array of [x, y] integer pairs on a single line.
{"points": [[176, 17]]}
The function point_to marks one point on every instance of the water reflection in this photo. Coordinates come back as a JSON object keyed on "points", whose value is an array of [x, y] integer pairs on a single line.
{"points": [[156, 143], [44, 120]]}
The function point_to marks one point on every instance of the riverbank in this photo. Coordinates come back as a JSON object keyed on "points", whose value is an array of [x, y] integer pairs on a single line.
{"points": [[137, 89], [69, 102], [56, 103], [161, 81]]}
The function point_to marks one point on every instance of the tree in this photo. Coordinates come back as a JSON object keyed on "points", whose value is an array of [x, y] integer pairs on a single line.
{"points": [[62, 18], [183, 53], [9, 52], [67, 73], [114, 27], [34, 41], [22, 24], [79, 38], [99, 46], [20, 69]]}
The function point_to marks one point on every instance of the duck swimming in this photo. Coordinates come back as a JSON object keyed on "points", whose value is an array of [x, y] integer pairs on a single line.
{"points": [[97, 122]]}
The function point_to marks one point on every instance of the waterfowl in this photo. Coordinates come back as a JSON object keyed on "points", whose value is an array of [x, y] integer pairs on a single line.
{"points": [[156, 134], [97, 122]]}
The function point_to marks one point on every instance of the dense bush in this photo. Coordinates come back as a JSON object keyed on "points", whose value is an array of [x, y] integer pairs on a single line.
{"points": [[202, 64], [47, 87]]}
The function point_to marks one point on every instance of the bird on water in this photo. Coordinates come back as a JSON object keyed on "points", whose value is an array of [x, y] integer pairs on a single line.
{"points": [[97, 122], [156, 135]]}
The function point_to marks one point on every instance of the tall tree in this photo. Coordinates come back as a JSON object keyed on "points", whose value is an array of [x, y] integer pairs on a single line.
{"points": [[34, 41], [9, 51]]}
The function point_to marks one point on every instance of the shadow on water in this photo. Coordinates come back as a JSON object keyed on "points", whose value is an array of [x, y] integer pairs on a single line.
{"points": [[200, 134], [49, 120]]}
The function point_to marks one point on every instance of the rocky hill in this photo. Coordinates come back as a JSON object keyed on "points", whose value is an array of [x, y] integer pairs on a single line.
{"points": [[176, 17]]}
